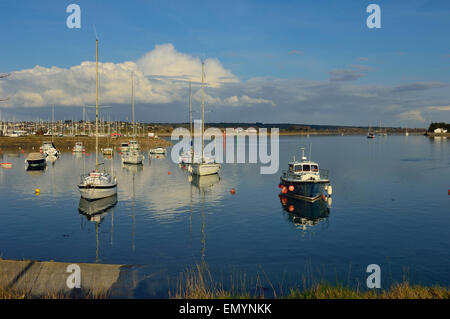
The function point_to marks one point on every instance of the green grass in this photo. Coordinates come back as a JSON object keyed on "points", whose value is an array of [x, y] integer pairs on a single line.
{"points": [[198, 283]]}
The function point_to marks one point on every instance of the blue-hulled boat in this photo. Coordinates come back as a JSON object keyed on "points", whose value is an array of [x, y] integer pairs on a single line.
{"points": [[305, 180]]}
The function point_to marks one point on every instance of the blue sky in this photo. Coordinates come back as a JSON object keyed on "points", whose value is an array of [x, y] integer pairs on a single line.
{"points": [[281, 40]]}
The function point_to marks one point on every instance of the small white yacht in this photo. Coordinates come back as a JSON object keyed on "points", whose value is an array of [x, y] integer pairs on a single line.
{"points": [[203, 167], [158, 150], [96, 184]]}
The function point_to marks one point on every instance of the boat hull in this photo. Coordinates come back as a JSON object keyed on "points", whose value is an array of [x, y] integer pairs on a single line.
{"points": [[37, 163], [205, 169], [135, 160], [90, 192], [307, 190]]}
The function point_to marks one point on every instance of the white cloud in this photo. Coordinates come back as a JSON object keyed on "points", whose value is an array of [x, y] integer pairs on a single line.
{"points": [[414, 115], [157, 80], [439, 108], [165, 61], [245, 100]]}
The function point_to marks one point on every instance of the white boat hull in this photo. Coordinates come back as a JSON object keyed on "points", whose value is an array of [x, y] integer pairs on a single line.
{"points": [[132, 159], [204, 169], [94, 193]]}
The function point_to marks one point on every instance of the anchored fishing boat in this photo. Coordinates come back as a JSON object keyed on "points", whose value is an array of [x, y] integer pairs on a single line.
{"points": [[304, 180]]}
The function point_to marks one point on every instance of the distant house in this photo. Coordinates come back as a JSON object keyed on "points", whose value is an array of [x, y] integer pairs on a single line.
{"points": [[440, 130]]}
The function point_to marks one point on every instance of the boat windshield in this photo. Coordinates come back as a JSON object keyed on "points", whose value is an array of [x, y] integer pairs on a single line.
{"points": [[306, 168], [314, 168]]}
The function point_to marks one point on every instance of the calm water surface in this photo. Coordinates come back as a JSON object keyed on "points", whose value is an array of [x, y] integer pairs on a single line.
{"points": [[390, 207]]}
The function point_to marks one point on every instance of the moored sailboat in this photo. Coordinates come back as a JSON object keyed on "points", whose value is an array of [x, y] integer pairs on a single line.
{"points": [[133, 154], [96, 184], [203, 167]]}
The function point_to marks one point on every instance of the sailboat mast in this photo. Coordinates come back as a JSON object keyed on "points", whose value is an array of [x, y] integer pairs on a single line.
{"points": [[132, 104], [203, 108], [190, 108], [53, 120], [96, 105]]}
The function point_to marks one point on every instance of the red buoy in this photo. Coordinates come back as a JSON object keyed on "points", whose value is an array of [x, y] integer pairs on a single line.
{"points": [[233, 191], [291, 188], [449, 191]]}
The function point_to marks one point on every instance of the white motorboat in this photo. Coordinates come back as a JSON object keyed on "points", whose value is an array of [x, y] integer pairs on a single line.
{"points": [[203, 167], [97, 185], [158, 150], [134, 146], [132, 157], [49, 149], [79, 147]]}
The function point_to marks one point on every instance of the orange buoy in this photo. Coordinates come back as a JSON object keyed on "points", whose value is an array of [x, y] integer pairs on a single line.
{"points": [[168, 173], [291, 188], [284, 190], [291, 208], [284, 200], [233, 191]]}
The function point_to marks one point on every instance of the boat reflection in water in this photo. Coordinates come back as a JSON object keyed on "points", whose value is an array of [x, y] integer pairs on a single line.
{"points": [[156, 156], [95, 211], [304, 214], [203, 183], [35, 170], [132, 167]]}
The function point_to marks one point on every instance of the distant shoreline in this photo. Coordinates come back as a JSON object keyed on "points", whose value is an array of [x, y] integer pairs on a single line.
{"points": [[66, 143]]}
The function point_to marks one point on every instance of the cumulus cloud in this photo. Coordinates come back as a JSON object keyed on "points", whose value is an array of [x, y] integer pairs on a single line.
{"points": [[161, 93], [245, 100], [160, 76], [414, 115]]}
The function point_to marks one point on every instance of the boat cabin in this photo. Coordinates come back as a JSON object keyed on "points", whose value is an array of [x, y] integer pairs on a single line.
{"points": [[297, 167]]}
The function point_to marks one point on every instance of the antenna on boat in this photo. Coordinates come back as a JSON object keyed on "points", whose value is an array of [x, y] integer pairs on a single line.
{"points": [[310, 147], [303, 154]]}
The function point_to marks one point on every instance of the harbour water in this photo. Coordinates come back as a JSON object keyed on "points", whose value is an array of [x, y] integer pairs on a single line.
{"points": [[390, 206]]}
